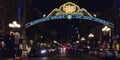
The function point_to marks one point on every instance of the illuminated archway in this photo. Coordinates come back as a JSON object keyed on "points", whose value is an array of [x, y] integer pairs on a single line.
{"points": [[70, 17], [69, 11]]}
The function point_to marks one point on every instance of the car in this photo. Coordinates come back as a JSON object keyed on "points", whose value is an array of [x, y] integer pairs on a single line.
{"points": [[118, 55], [94, 51], [109, 54], [37, 51], [102, 53]]}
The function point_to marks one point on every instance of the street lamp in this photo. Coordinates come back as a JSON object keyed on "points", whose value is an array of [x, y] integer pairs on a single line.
{"points": [[91, 35], [55, 41], [107, 29], [77, 42], [82, 39], [14, 25]]}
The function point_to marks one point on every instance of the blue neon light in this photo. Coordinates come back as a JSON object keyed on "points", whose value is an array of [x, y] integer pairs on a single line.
{"points": [[19, 9], [69, 17]]}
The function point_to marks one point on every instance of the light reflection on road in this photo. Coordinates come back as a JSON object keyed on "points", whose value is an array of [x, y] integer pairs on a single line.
{"points": [[63, 52]]}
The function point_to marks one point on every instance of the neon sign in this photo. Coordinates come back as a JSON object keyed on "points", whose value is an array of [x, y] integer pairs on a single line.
{"points": [[69, 17]]}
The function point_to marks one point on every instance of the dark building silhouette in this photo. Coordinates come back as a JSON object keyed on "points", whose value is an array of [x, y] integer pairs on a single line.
{"points": [[8, 13]]}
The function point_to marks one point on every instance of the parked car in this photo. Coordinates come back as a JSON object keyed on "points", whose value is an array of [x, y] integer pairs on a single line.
{"points": [[94, 51], [107, 54], [118, 55], [102, 53]]}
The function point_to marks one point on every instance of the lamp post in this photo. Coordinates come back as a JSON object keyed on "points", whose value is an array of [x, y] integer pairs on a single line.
{"points": [[91, 35], [55, 41], [77, 42], [106, 29], [82, 39], [15, 25]]}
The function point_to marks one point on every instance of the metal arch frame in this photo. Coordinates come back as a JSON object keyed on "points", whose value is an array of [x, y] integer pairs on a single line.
{"points": [[69, 17]]}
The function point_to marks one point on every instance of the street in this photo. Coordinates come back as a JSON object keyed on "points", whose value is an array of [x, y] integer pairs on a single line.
{"points": [[64, 56]]}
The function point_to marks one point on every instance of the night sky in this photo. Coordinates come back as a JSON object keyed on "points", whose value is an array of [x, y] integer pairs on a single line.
{"points": [[46, 6], [119, 3]]}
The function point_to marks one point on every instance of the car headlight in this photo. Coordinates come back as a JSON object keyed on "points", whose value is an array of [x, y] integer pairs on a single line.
{"points": [[43, 51]]}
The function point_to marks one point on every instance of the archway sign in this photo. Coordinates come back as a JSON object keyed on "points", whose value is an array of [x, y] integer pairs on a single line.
{"points": [[69, 11]]}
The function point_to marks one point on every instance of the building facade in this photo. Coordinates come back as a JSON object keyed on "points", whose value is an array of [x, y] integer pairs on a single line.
{"points": [[8, 13]]}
